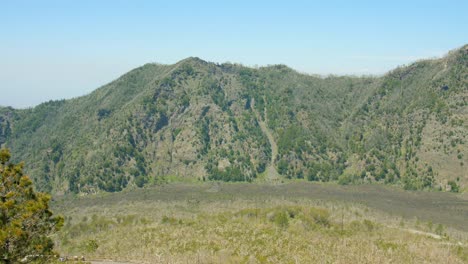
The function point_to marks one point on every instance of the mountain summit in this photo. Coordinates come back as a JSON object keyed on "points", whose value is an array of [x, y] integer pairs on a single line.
{"points": [[207, 121]]}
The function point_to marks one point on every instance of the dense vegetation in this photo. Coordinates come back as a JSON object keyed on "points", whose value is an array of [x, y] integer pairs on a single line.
{"points": [[202, 121], [26, 221]]}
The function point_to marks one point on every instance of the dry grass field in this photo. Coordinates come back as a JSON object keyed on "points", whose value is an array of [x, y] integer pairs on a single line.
{"points": [[298, 222]]}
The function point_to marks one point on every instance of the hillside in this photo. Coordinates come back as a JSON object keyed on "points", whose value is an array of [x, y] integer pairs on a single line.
{"points": [[207, 121]]}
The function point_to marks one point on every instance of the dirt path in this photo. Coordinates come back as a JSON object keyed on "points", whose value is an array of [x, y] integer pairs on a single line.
{"points": [[418, 232], [271, 172], [435, 236]]}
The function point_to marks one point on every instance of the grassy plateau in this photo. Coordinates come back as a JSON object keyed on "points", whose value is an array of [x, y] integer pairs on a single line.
{"points": [[296, 222]]}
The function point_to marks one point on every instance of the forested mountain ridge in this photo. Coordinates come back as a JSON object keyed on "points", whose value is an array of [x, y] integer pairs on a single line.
{"points": [[202, 120]]}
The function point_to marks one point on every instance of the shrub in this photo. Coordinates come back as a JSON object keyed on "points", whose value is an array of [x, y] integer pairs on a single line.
{"points": [[281, 219], [90, 246], [454, 186]]}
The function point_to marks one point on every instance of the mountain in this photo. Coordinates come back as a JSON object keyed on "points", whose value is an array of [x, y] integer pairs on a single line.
{"points": [[208, 121]]}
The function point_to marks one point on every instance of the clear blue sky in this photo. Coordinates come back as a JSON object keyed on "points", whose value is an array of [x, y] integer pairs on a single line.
{"points": [[62, 49]]}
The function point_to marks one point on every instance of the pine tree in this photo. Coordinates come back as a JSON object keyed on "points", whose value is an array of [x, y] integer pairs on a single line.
{"points": [[26, 222]]}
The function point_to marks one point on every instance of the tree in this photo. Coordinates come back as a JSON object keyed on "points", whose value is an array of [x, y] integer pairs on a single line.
{"points": [[453, 186], [25, 219], [282, 167]]}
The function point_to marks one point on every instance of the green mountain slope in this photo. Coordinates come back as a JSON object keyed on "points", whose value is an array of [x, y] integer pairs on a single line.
{"points": [[208, 121]]}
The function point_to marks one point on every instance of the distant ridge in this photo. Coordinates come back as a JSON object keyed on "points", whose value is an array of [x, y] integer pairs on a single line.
{"points": [[197, 120]]}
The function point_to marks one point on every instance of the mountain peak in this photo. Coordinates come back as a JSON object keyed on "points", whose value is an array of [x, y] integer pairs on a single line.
{"points": [[203, 120], [193, 60]]}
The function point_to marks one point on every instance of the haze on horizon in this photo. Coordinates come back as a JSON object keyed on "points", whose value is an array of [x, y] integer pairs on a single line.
{"points": [[62, 49]]}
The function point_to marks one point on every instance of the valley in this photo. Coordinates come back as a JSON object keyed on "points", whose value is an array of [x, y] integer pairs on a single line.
{"points": [[266, 223], [233, 132]]}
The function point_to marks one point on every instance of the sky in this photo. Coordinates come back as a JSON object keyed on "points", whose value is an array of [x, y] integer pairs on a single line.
{"points": [[52, 50]]}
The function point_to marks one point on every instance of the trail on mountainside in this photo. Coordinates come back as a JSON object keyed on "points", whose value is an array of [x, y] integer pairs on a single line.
{"points": [[272, 174]]}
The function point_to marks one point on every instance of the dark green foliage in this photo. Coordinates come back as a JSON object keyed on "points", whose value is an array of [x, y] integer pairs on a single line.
{"points": [[261, 167], [216, 92], [230, 174], [5, 128], [103, 113], [167, 82], [162, 122], [312, 175], [26, 221], [292, 138], [454, 186], [204, 130], [283, 167], [140, 181]]}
